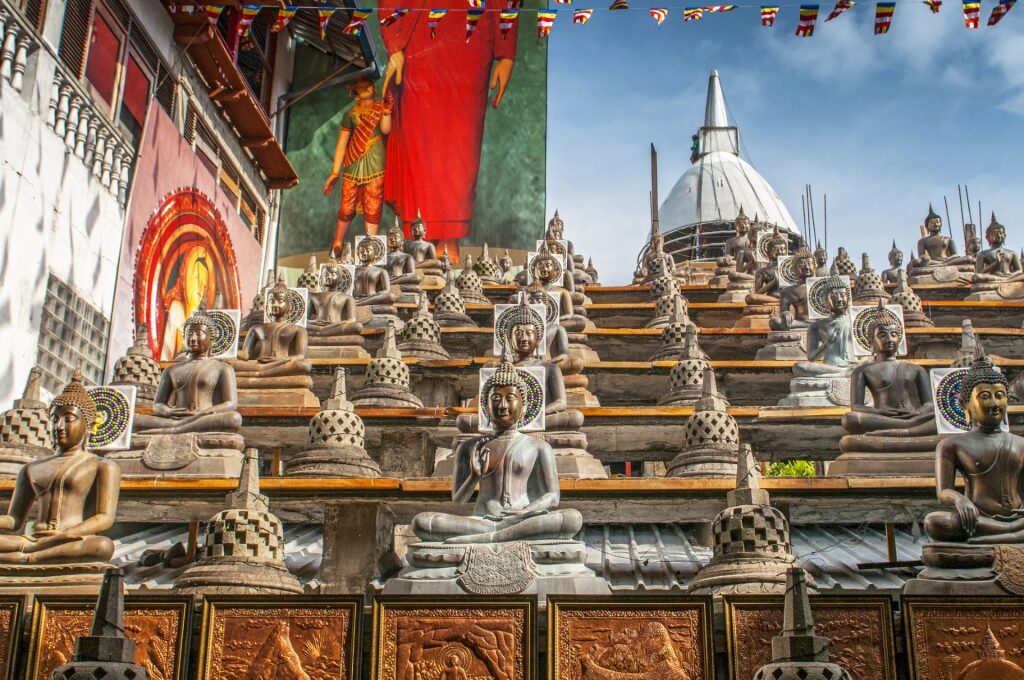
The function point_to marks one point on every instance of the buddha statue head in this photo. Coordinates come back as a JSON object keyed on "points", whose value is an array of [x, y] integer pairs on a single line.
{"points": [[932, 222], [983, 393], [505, 262], [525, 330], [198, 335], [778, 245], [418, 228], [838, 295], [895, 256], [395, 237], [367, 250], [277, 301], [742, 223], [556, 228], [502, 395], [884, 334], [995, 233], [546, 267], [820, 256], [72, 414], [803, 264], [330, 277]]}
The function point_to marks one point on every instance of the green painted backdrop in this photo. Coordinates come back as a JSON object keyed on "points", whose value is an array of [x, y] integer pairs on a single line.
{"points": [[509, 205]]}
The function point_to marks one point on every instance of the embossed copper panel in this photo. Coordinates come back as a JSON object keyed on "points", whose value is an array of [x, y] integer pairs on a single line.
{"points": [[300, 637], [160, 626], [946, 637], [444, 638], [590, 638], [859, 629], [10, 626]]}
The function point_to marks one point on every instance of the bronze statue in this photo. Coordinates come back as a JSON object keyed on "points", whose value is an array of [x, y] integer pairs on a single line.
{"points": [[332, 311], [62, 483], [728, 266], [793, 298], [422, 251], [197, 393], [557, 338], [821, 267], [936, 251], [505, 264], [766, 279], [277, 347], [518, 484], [997, 270], [401, 266], [734, 245], [891, 275], [990, 510]]}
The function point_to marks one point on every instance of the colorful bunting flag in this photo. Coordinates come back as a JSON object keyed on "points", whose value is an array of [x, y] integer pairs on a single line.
{"points": [[934, 5], [434, 17], [768, 14], [841, 6], [507, 21], [619, 4], [476, 4], [283, 17], [545, 20], [883, 16], [249, 13], [472, 19], [808, 17], [356, 21], [1000, 10], [711, 9], [393, 17], [581, 16], [324, 17], [563, 2], [972, 13], [213, 12], [693, 14], [658, 14]]}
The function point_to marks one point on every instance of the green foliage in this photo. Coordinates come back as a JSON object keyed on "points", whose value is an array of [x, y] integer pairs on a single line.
{"points": [[791, 468]]}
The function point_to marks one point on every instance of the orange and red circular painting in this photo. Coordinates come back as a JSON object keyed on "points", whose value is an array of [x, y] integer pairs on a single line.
{"points": [[185, 259]]}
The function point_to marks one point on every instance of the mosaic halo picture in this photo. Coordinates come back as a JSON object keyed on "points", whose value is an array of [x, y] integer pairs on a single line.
{"points": [[534, 399], [864, 316], [502, 319], [115, 412], [817, 296], [298, 305], [225, 333], [346, 276], [950, 417]]}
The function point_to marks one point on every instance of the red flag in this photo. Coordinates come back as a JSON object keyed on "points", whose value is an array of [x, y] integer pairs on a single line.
{"points": [[1000, 10], [841, 6], [808, 17]]}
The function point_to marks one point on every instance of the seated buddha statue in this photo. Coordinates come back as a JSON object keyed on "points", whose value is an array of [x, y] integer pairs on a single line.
{"points": [[547, 270], [332, 327], [821, 267], [896, 433], [400, 265], [77, 493], [556, 232], [734, 245], [557, 339], [890, 276], [424, 254], [505, 264], [275, 371], [786, 339], [372, 284], [935, 250], [560, 351], [656, 261], [762, 297], [995, 267], [516, 476]]}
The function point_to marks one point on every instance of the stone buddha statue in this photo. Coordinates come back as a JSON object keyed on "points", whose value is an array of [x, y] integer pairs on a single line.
{"points": [[936, 251], [505, 264], [450, 308], [515, 479], [372, 284], [980, 529], [547, 271], [471, 288], [913, 309], [592, 272], [421, 336], [424, 254], [763, 299], [193, 428], [821, 267], [997, 270], [895, 434], [256, 311], [656, 261], [67, 528], [275, 371], [890, 275], [445, 260], [558, 349], [785, 341], [332, 328], [401, 266], [823, 380], [734, 246]]}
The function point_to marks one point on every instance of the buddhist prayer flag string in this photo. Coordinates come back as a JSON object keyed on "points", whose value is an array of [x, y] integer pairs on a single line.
{"points": [[324, 17], [808, 17], [693, 14], [249, 13], [213, 12], [507, 21], [972, 14], [581, 16], [283, 17], [711, 9], [563, 2], [883, 17], [841, 6], [476, 4], [934, 5], [434, 17], [545, 20], [658, 14], [1000, 10], [472, 19], [393, 17], [356, 21], [768, 14], [619, 4]]}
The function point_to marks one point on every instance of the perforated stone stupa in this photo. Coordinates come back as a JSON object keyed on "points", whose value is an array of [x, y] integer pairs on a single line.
{"points": [[138, 368], [686, 379], [387, 379], [673, 335], [421, 336], [25, 429], [710, 438]]}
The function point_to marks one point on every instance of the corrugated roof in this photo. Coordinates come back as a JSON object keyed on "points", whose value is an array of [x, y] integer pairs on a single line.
{"points": [[632, 557]]}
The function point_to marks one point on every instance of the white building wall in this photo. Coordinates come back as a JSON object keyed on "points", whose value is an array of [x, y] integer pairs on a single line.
{"points": [[55, 216]]}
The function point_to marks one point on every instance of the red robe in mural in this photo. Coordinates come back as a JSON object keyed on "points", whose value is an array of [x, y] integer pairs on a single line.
{"points": [[433, 150]]}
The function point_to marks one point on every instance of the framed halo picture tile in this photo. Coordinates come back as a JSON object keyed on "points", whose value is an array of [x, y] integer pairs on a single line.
{"points": [[502, 319], [950, 416], [864, 316], [534, 400], [115, 413], [226, 323], [298, 304], [10, 633], [817, 296]]}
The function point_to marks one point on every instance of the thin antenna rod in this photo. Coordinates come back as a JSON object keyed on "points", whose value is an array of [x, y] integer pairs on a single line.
{"points": [[803, 212], [655, 228], [963, 225], [810, 203], [826, 222], [967, 195], [948, 221], [980, 218]]}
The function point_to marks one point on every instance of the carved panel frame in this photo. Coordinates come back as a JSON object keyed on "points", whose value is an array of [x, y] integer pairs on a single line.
{"points": [[10, 616], [518, 612], [870, 614], [918, 627], [50, 647], [318, 652], [693, 612]]}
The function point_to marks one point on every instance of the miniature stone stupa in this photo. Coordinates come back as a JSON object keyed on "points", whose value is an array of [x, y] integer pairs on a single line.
{"points": [[105, 652], [310, 277], [751, 540], [686, 380], [25, 429], [868, 289], [244, 550], [471, 288], [664, 291], [797, 653], [336, 443], [673, 335], [450, 308], [913, 311], [138, 369], [421, 336], [711, 437], [387, 379], [486, 267]]}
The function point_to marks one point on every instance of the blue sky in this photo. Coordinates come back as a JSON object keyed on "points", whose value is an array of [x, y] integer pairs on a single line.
{"points": [[882, 124]]}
